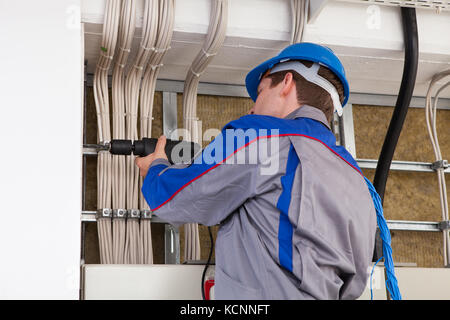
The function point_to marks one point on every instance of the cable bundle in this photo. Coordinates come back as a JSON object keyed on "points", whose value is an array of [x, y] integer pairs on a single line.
{"points": [[391, 282], [166, 17], [129, 240], [166, 11], [101, 96], [214, 40], [133, 248], [299, 10], [126, 34], [430, 115]]}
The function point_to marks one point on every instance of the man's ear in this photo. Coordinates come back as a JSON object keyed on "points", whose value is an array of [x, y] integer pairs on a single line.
{"points": [[288, 83]]}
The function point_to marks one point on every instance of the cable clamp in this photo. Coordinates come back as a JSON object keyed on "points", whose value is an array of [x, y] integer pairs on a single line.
{"points": [[118, 114], [129, 114], [160, 50], [444, 225], [101, 68], [103, 146], [440, 164], [147, 48], [138, 67], [119, 213], [208, 54], [146, 214], [195, 73], [146, 118], [107, 57], [133, 213], [124, 49], [104, 213], [154, 67]]}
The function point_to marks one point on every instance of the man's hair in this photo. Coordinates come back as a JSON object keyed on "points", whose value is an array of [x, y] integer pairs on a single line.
{"points": [[310, 93]]}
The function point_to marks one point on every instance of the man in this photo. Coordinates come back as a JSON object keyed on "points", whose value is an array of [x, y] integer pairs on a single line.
{"points": [[303, 231]]}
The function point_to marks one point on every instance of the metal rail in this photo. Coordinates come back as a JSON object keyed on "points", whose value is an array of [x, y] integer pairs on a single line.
{"points": [[92, 150], [90, 216], [403, 225], [400, 165], [399, 225]]}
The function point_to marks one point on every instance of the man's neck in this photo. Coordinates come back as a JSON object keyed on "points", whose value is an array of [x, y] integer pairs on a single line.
{"points": [[290, 111]]}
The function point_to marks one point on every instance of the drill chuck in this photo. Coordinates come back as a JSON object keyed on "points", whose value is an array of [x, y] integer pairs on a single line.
{"points": [[177, 151]]}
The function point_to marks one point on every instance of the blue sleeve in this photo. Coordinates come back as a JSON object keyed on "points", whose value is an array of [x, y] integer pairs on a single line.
{"points": [[205, 191]]}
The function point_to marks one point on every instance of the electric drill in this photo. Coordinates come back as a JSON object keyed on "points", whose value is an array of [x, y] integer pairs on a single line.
{"points": [[184, 152]]}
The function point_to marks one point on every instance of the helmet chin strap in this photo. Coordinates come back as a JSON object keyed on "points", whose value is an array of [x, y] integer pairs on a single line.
{"points": [[311, 75]]}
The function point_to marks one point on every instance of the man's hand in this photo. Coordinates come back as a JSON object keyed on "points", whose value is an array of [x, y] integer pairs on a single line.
{"points": [[144, 162]]}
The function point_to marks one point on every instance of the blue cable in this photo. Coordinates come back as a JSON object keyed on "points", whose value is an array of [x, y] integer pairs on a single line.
{"points": [[391, 281], [373, 268]]}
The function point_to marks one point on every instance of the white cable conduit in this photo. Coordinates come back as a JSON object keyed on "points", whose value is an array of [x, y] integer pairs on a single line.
{"points": [[430, 116], [214, 40], [166, 18], [133, 248], [108, 44], [129, 242], [299, 10], [126, 33]]}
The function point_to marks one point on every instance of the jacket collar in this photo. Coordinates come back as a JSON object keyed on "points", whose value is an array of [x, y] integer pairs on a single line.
{"points": [[307, 111]]}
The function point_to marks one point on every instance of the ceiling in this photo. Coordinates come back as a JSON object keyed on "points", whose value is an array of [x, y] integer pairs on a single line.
{"points": [[367, 38]]}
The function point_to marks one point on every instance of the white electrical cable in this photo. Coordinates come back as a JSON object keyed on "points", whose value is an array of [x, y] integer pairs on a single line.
{"points": [[430, 117], [133, 248], [299, 10], [101, 96], [133, 251], [126, 34], [166, 17], [214, 41]]}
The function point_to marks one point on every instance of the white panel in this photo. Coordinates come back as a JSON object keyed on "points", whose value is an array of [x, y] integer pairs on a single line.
{"points": [[414, 284], [423, 283], [315, 8], [149, 282], [378, 285], [41, 134], [368, 38], [357, 25], [419, 4], [260, 19], [183, 282]]}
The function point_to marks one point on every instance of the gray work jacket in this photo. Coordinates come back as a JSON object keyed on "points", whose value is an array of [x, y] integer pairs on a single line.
{"points": [[296, 223]]}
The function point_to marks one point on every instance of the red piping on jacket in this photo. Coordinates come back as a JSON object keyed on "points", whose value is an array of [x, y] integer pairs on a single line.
{"points": [[269, 136]]}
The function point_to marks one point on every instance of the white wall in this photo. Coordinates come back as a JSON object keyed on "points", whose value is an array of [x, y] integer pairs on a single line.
{"points": [[40, 134]]}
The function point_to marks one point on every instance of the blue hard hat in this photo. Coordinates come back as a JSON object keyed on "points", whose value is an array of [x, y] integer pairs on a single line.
{"points": [[299, 51]]}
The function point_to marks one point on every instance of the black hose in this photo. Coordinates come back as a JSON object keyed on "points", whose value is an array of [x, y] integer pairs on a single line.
{"points": [[409, 23], [410, 35]]}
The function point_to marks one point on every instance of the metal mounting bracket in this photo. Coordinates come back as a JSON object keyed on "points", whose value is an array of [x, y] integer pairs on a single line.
{"points": [[441, 164]]}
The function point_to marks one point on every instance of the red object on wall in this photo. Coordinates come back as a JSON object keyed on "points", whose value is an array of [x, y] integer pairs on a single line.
{"points": [[208, 285]]}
